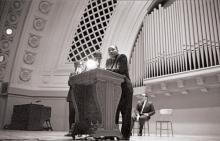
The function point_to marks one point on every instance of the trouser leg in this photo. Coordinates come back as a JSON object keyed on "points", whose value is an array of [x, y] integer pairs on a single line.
{"points": [[126, 116], [141, 125], [142, 120], [71, 114], [117, 115], [126, 123]]}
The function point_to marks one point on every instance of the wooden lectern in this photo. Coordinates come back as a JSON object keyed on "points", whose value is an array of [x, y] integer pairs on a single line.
{"points": [[95, 95]]}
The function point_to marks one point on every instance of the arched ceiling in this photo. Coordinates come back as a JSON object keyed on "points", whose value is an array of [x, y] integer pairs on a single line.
{"points": [[47, 32], [124, 26]]}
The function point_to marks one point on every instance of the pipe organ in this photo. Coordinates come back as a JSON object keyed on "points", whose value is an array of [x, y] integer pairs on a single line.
{"points": [[181, 36]]}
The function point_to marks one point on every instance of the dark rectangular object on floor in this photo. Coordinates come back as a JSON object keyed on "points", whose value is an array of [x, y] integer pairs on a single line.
{"points": [[29, 117]]}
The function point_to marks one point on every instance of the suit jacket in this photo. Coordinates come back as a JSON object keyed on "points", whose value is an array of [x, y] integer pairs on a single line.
{"points": [[68, 99], [148, 108], [120, 65]]}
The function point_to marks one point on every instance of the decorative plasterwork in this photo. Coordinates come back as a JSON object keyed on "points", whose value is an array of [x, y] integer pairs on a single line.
{"points": [[10, 23], [2, 72], [218, 76], [163, 86], [204, 90], [148, 88], [46, 79], [17, 4], [5, 45], [180, 84], [152, 95], [199, 81], [3, 64], [167, 94], [39, 23], [185, 92], [12, 18], [34, 40], [25, 74], [45, 7], [29, 57]]}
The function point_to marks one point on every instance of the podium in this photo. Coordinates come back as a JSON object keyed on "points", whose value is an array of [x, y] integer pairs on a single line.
{"points": [[95, 95]]}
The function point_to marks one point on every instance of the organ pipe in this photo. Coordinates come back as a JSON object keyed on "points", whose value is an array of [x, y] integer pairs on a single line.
{"points": [[182, 36]]}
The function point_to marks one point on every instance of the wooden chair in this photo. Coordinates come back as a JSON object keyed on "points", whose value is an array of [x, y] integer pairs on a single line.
{"points": [[165, 118], [136, 126], [146, 127]]}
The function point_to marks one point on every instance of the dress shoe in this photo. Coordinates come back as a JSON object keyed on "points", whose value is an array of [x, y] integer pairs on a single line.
{"points": [[139, 134], [68, 134], [124, 138]]}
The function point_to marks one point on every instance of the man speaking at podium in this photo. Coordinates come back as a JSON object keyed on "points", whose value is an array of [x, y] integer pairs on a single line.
{"points": [[118, 63]]}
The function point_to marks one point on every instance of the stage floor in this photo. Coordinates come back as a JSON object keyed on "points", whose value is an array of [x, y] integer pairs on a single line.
{"points": [[12, 135]]}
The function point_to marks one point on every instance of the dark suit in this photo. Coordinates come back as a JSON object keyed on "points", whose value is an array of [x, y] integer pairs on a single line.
{"points": [[148, 108], [120, 65], [71, 108]]}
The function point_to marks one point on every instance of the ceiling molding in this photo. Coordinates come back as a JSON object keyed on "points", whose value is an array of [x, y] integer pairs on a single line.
{"points": [[185, 92], [199, 81], [183, 75], [163, 86], [218, 76], [148, 88], [180, 84], [204, 90], [167, 94]]}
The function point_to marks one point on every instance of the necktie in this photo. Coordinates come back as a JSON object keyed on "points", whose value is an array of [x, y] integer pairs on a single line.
{"points": [[143, 106]]}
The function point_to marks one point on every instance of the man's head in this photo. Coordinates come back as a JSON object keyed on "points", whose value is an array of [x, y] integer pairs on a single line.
{"points": [[113, 51], [145, 96]]}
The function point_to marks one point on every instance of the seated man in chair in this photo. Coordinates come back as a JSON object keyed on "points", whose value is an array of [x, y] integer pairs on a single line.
{"points": [[144, 110]]}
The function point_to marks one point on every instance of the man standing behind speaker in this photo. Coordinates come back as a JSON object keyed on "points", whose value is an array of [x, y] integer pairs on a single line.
{"points": [[71, 110]]}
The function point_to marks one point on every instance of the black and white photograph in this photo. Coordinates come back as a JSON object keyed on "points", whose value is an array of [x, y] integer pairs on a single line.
{"points": [[102, 70]]}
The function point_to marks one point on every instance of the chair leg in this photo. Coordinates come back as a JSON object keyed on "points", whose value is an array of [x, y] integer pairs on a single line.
{"points": [[160, 128], [164, 125], [171, 127], [132, 130], [148, 129]]}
